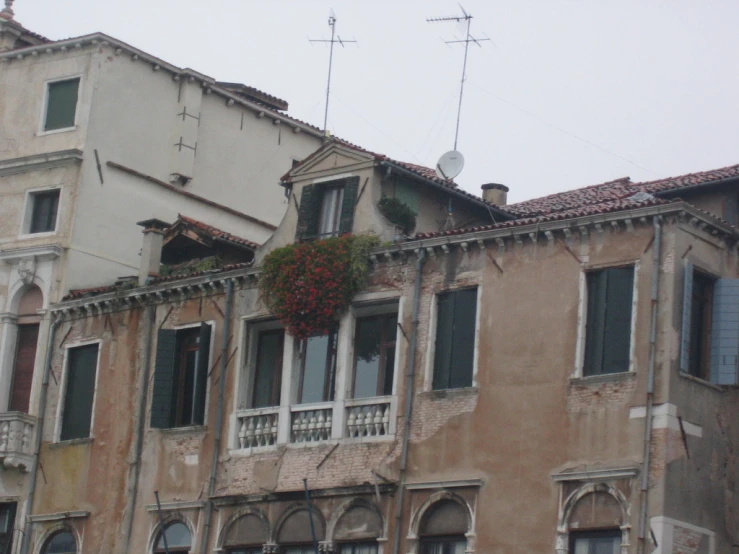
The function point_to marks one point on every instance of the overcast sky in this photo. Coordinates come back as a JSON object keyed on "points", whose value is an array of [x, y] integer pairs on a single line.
{"points": [[567, 93]]}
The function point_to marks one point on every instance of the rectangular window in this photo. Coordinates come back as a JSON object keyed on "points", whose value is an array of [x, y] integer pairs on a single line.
{"points": [[317, 368], [268, 369], [455, 339], [374, 355], [43, 211], [441, 545], [331, 202], [608, 329], [79, 392], [7, 524], [359, 548], [181, 377], [25, 359], [61, 104], [597, 542], [327, 209]]}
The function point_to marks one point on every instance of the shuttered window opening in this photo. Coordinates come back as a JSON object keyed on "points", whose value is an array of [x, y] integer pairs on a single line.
{"points": [[327, 209], [79, 392], [61, 104], [608, 329], [317, 368], [44, 208], [25, 358], [181, 377], [455, 339], [596, 542], [268, 369], [374, 355], [7, 524]]}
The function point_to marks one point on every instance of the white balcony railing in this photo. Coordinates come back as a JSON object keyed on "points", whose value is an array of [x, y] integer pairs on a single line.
{"points": [[16, 437], [368, 417], [258, 427], [311, 422]]}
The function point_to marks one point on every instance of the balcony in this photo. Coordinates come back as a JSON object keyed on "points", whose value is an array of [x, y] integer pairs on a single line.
{"points": [[258, 427], [16, 437], [368, 417]]}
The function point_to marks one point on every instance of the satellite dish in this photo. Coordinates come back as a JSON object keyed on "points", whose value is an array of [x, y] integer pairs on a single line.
{"points": [[450, 165]]}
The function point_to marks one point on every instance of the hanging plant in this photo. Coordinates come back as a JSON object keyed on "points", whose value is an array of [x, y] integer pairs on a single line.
{"points": [[309, 284], [398, 213]]}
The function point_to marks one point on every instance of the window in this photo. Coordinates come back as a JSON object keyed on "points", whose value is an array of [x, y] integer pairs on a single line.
{"points": [[374, 355], [60, 543], [181, 377], [61, 104], [79, 392], [268, 369], [7, 524], [25, 359], [455, 339], [358, 529], [317, 368], [327, 209], [42, 211], [359, 548], [596, 542], [443, 529], [246, 535], [698, 317], [175, 538], [608, 328], [295, 535]]}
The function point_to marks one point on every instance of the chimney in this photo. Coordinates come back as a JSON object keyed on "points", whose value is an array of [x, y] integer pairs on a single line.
{"points": [[151, 248], [495, 193]]}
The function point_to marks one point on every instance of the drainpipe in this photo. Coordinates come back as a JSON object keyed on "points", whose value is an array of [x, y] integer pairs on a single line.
{"points": [[26, 541], [641, 547], [410, 374], [134, 469], [219, 417]]}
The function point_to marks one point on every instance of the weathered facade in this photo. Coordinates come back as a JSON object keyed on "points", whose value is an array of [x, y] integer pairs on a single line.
{"points": [[559, 380]]}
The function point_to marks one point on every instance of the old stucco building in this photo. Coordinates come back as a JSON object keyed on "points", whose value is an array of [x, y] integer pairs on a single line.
{"points": [[96, 135], [551, 376]]}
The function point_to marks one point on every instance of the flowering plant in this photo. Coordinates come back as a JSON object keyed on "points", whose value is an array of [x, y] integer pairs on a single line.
{"points": [[309, 284]]}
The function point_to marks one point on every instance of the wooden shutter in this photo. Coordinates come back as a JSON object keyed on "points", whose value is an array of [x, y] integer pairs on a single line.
{"points": [[162, 401], [309, 213], [463, 338], [201, 373], [594, 329], [25, 357], [617, 327], [687, 305], [444, 330], [79, 393], [346, 220], [61, 104], [725, 332]]}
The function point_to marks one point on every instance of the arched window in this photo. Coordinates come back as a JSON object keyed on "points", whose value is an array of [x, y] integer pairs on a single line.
{"points": [[295, 532], [178, 539], [594, 524], [443, 529], [246, 535], [357, 531], [61, 542]]}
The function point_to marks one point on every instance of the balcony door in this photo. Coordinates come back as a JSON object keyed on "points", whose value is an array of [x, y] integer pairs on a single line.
{"points": [[25, 350]]}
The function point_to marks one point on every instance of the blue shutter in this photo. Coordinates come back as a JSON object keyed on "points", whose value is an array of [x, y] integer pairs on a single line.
{"points": [[346, 220], [725, 332], [687, 304]]}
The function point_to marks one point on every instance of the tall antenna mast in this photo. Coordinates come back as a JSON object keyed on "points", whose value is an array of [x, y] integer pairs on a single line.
{"points": [[465, 18], [335, 39]]}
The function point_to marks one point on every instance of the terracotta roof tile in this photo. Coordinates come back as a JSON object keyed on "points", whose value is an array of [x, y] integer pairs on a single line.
{"points": [[214, 232]]}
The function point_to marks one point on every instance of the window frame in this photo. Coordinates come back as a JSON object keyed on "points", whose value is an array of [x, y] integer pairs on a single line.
{"points": [[28, 207], [582, 316], [706, 336], [574, 535], [63, 390], [185, 328], [330, 375], [12, 507], [172, 549], [58, 531], [442, 540], [354, 544], [382, 311], [336, 207], [45, 105], [256, 333]]}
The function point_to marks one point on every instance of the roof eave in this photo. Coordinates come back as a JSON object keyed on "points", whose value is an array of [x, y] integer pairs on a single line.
{"points": [[689, 188]]}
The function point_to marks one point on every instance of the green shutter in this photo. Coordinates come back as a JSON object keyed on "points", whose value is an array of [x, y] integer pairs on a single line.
{"points": [[444, 331], [617, 328], [309, 213], [687, 305], [162, 401], [346, 220], [463, 338], [61, 104], [79, 393], [594, 329], [201, 373]]}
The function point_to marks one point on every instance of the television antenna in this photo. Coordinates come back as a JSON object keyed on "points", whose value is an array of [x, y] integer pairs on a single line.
{"points": [[465, 18], [335, 39]]}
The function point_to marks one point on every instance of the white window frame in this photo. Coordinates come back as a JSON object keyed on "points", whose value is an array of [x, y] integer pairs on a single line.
{"points": [[337, 193], [211, 353], [63, 390], [28, 204], [582, 319], [45, 105]]}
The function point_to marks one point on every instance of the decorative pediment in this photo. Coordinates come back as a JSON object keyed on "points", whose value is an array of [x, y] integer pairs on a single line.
{"points": [[331, 158]]}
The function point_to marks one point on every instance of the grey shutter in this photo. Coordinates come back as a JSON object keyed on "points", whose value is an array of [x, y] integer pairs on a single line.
{"points": [[346, 220], [80, 392], [162, 401], [309, 213], [201, 374], [61, 104], [597, 282], [687, 305], [617, 328], [463, 338], [725, 332], [444, 332]]}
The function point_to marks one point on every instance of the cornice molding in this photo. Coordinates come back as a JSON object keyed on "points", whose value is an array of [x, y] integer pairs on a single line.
{"points": [[49, 160], [602, 474], [40, 253], [58, 516]]}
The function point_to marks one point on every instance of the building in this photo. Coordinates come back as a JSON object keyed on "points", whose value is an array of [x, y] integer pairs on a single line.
{"points": [[557, 375], [96, 135]]}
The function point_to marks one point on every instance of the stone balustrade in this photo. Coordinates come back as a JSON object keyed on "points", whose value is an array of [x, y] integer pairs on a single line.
{"points": [[311, 423], [16, 440], [258, 427], [368, 417]]}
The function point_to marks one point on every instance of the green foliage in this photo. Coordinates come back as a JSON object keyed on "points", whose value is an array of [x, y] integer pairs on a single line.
{"points": [[191, 266], [398, 213]]}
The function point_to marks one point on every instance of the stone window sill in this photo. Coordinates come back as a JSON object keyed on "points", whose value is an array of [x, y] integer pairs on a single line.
{"points": [[72, 442], [189, 430], [446, 393], [605, 378]]}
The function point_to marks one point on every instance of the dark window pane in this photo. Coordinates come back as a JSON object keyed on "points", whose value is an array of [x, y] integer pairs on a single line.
{"points": [[61, 543], [318, 364], [25, 359], [455, 339], [44, 211], [7, 522], [701, 314], [178, 536], [80, 391], [387, 386], [367, 356], [61, 104], [268, 369]]}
